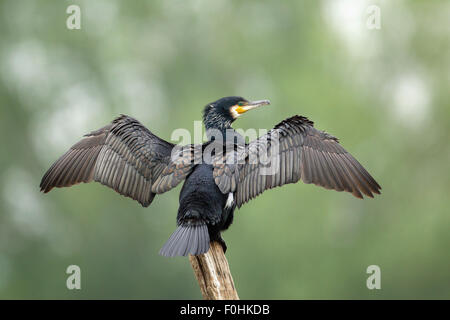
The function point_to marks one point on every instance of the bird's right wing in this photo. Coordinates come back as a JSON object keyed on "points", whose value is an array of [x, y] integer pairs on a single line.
{"points": [[126, 157], [291, 151]]}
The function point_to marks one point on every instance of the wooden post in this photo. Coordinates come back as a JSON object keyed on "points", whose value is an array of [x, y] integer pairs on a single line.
{"points": [[213, 274]]}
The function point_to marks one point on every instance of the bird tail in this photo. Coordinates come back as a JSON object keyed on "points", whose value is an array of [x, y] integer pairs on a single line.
{"points": [[187, 239]]}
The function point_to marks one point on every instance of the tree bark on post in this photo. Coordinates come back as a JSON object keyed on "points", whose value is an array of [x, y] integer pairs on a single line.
{"points": [[213, 274]]}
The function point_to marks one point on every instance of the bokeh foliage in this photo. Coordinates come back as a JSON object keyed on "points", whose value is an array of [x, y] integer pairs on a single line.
{"points": [[384, 93]]}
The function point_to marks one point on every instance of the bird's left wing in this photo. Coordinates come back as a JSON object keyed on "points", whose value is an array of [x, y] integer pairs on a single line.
{"points": [[126, 157], [291, 151]]}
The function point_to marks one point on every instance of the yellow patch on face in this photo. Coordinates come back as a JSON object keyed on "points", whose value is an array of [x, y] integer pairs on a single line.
{"points": [[240, 109], [243, 107], [236, 111]]}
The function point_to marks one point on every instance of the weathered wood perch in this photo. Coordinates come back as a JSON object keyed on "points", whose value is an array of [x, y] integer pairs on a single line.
{"points": [[213, 274]]}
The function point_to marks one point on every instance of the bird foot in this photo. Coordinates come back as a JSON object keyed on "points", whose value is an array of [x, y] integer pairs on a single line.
{"points": [[222, 243]]}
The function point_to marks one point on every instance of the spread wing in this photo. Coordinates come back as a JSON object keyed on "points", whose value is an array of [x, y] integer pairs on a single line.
{"points": [[126, 157], [291, 151]]}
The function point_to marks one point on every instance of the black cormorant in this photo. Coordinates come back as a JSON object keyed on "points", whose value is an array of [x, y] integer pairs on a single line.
{"points": [[219, 175]]}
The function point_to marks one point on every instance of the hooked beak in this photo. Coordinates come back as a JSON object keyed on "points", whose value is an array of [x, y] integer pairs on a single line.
{"points": [[251, 105]]}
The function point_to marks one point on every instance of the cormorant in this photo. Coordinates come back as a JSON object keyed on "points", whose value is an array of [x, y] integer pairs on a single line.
{"points": [[130, 159]]}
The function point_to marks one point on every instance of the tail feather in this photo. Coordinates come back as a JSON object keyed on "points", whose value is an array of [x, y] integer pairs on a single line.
{"points": [[187, 239]]}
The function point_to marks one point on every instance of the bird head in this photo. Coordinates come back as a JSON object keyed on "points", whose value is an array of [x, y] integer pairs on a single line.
{"points": [[223, 112]]}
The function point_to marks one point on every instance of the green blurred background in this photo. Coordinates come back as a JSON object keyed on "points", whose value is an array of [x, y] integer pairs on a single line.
{"points": [[384, 93]]}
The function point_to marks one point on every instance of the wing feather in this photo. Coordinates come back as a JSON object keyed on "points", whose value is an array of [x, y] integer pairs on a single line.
{"points": [[303, 153], [124, 156]]}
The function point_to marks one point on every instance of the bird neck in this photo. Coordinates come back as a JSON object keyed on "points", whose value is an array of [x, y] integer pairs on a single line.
{"points": [[215, 125]]}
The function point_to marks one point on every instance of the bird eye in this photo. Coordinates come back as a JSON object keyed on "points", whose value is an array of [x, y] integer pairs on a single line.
{"points": [[241, 103]]}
